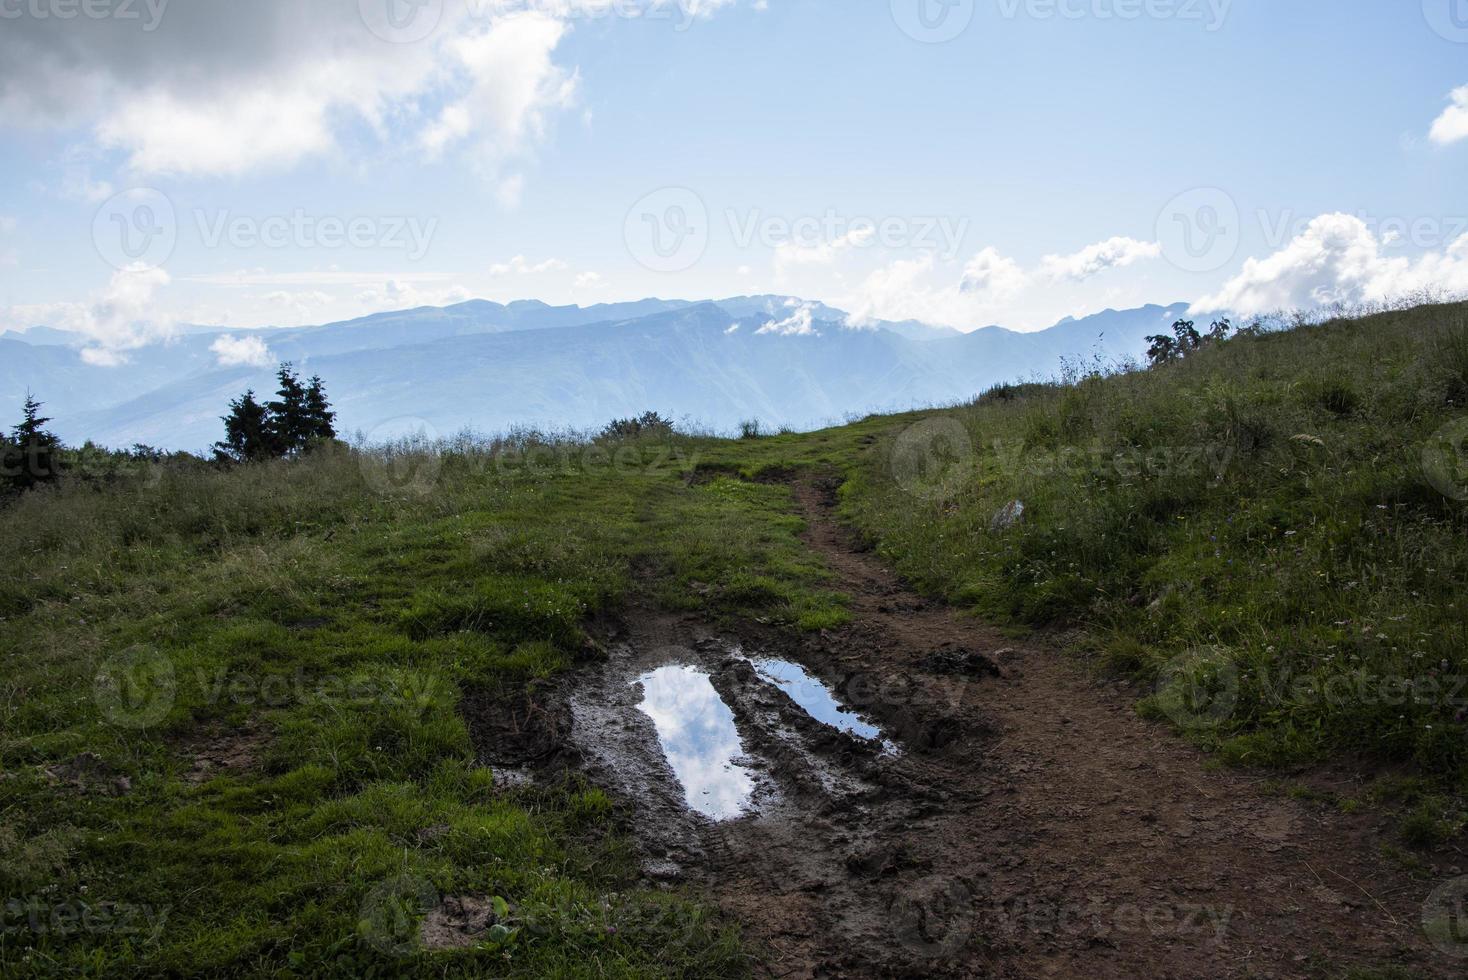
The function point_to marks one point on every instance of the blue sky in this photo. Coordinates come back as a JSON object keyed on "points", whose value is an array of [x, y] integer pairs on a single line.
{"points": [[1054, 157]]}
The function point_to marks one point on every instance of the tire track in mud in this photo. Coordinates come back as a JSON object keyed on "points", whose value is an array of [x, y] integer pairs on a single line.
{"points": [[1028, 825]]}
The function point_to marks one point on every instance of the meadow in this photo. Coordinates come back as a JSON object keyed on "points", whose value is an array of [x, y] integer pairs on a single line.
{"points": [[231, 704]]}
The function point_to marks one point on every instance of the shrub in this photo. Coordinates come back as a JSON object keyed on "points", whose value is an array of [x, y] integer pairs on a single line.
{"points": [[649, 423]]}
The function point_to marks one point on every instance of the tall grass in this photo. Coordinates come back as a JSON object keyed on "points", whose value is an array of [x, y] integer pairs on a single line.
{"points": [[1260, 509]]}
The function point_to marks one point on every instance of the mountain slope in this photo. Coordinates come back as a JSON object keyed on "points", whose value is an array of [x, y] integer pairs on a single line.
{"points": [[490, 367]]}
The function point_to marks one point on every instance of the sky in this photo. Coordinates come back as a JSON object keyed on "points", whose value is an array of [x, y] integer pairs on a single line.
{"points": [[964, 162]]}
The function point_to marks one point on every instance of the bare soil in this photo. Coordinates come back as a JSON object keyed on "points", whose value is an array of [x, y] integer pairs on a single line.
{"points": [[1029, 825]]}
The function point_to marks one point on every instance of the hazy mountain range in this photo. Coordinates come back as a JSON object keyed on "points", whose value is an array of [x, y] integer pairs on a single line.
{"points": [[490, 367]]}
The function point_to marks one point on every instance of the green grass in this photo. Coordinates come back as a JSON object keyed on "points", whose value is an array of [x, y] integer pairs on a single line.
{"points": [[342, 622], [1256, 520]]}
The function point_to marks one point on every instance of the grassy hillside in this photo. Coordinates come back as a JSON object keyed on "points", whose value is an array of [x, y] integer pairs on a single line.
{"points": [[324, 619], [1273, 526], [1253, 527]]}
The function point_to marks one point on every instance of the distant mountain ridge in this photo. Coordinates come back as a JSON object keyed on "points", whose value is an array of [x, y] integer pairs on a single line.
{"points": [[489, 367]]}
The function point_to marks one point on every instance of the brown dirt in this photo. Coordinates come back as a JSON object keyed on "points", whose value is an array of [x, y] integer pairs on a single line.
{"points": [[1072, 839], [220, 751], [1031, 824]]}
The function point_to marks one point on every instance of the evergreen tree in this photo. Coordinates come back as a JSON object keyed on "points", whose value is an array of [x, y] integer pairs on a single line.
{"points": [[248, 433], [31, 453], [299, 415], [289, 420], [320, 419]]}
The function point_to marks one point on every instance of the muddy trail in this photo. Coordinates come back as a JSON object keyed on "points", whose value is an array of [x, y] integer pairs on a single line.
{"points": [[914, 795]]}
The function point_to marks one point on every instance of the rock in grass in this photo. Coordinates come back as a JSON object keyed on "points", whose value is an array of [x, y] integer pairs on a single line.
{"points": [[1010, 515]]}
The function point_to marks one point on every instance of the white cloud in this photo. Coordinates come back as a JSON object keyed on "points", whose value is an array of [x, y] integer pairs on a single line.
{"points": [[282, 298], [329, 277], [1114, 253], [403, 294], [120, 319], [992, 276], [789, 255], [218, 87], [103, 357], [233, 351], [300, 306], [1337, 259], [1452, 125], [520, 266], [995, 288], [589, 280], [801, 323], [512, 86], [225, 88], [170, 133]]}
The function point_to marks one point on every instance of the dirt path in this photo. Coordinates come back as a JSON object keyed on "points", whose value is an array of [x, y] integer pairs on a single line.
{"points": [[1028, 825], [1081, 841]]}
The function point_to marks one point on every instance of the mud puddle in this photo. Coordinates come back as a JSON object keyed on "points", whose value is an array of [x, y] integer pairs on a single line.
{"points": [[696, 731], [1029, 824], [817, 700]]}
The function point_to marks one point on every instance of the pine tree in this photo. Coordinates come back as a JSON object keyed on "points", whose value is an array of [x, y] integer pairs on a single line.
{"points": [[31, 452], [287, 426], [320, 419], [289, 421], [248, 435]]}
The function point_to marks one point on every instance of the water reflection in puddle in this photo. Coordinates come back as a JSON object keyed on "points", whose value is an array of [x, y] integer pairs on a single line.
{"points": [[696, 730], [816, 698]]}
